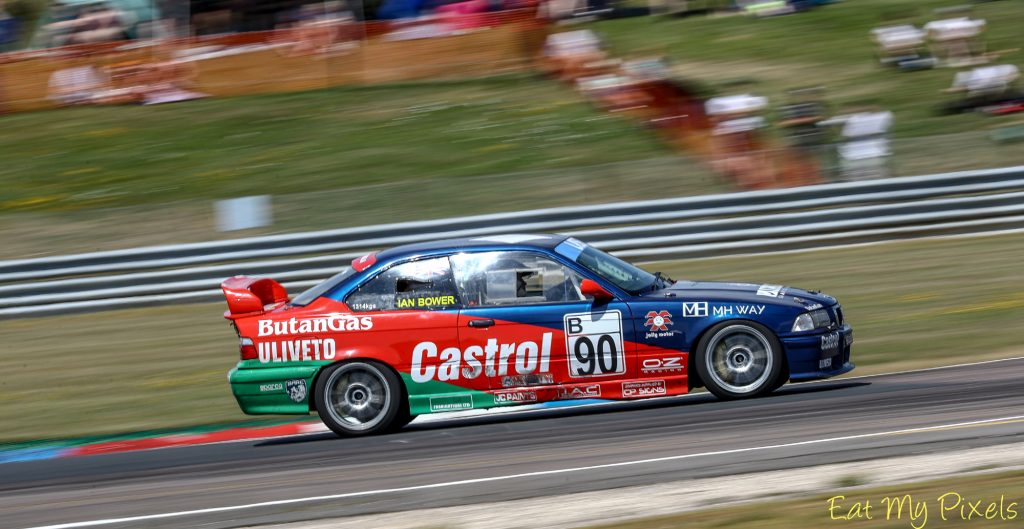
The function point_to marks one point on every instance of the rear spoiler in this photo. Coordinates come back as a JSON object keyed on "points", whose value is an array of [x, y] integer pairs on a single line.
{"points": [[251, 296]]}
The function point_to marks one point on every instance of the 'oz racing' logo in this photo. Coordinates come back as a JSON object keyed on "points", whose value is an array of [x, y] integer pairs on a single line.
{"points": [[662, 365]]}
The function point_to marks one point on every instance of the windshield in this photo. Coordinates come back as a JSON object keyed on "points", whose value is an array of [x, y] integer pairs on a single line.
{"points": [[310, 295], [622, 274]]}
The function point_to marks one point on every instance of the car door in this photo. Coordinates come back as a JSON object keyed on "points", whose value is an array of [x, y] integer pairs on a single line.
{"points": [[414, 309], [534, 331]]}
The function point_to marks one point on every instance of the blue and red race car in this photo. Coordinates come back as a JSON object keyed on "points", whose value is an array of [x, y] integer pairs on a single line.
{"points": [[515, 319]]}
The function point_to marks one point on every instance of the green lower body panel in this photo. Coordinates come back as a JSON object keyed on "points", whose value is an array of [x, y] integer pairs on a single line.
{"points": [[280, 390], [434, 397], [286, 390]]}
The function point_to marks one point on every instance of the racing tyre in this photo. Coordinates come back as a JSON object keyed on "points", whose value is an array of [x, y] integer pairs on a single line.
{"points": [[739, 359], [359, 398]]}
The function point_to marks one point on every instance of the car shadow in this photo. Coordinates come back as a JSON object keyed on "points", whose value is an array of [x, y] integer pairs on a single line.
{"points": [[598, 408]]}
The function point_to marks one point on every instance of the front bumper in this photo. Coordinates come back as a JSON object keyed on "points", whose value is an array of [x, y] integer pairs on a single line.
{"points": [[282, 390], [819, 355]]}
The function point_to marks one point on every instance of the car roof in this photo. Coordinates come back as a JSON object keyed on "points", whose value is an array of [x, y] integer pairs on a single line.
{"points": [[484, 242]]}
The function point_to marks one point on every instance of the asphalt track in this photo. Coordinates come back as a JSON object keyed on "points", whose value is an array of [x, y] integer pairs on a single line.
{"points": [[522, 455]]}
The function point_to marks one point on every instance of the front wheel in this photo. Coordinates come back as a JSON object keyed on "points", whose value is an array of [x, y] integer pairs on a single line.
{"points": [[359, 398], [739, 360]]}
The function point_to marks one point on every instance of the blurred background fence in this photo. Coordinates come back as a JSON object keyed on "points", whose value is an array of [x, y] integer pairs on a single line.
{"points": [[322, 53]]}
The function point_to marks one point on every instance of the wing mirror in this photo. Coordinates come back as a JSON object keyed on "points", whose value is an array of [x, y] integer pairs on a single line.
{"points": [[591, 288]]}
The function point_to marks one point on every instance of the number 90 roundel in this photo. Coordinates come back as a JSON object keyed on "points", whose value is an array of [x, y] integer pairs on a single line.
{"points": [[511, 320]]}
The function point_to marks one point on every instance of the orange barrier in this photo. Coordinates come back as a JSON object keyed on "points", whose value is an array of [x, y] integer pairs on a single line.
{"points": [[288, 60]]}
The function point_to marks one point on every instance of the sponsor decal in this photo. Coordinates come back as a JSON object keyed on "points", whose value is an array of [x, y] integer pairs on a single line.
{"points": [[426, 302], [593, 343], [644, 388], [772, 291], [830, 343], [494, 359], [813, 306], [276, 386], [364, 262], [592, 391], [695, 309], [666, 364], [738, 310], [329, 323], [657, 324], [309, 350], [515, 397], [518, 381], [451, 403], [296, 389]]}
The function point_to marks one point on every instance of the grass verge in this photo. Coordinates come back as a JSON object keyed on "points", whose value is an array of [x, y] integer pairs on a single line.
{"points": [[913, 304], [304, 142], [931, 504]]}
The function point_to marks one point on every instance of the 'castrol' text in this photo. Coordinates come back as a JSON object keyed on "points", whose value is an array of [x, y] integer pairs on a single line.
{"points": [[492, 358]]}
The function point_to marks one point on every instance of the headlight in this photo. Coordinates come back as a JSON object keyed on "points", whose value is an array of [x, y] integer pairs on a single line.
{"points": [[808, 321]]}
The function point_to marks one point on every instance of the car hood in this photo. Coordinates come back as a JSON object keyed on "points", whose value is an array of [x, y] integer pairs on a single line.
{"points": [[751, 292]]}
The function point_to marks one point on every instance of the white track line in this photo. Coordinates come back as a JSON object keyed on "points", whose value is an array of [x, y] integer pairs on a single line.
{"points": [[108, 521]]}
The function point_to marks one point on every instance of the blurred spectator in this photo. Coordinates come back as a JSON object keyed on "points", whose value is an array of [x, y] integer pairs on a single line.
{"points": [[902, 45], [957, 41], [736, 114], [737, 145], [986, 86], [147, 83], [764, 8], [78, 85], [800, 115], [864, 150], [8, 28], [168, 82], [87, 25], [464, 16], [396, 9], [317, 27], [570, 55]]}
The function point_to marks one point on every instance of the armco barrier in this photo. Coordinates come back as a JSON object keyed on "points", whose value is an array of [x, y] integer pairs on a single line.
{"points": [[747, 222]]}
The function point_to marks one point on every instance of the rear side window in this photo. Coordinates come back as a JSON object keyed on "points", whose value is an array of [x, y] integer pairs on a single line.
{"points": [[310, 295], [415, 285]]}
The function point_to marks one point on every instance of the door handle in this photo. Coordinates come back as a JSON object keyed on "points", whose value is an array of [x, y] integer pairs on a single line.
{"points": [[481, 323]]}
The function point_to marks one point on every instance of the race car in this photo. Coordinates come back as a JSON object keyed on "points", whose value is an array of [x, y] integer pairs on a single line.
{"points": [[510, 320]]}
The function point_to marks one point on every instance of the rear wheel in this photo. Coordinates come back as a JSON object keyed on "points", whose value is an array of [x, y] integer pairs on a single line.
{"points": [[359, 398], [739, 360]]}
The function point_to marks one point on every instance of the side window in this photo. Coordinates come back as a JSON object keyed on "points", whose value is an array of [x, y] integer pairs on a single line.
{"points": [[416, 285], [513, 278]]}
